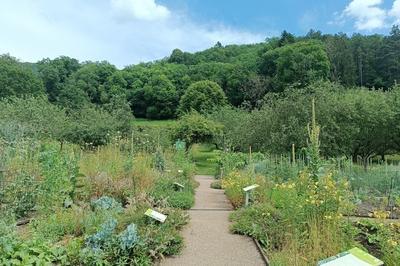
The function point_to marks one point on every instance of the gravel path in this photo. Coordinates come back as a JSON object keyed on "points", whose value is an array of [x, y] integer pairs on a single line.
{"points": [[207, 237]]}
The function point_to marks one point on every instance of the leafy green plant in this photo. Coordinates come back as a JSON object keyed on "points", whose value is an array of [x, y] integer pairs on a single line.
{"points": [[20, 196], [195, 128], [107, 203], [159, 161], [216, 184], [165, 188], [96, 241]]}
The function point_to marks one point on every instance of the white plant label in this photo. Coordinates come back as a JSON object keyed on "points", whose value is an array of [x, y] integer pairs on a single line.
{"points": [[156, 215], [250, 187], [179, 185]]}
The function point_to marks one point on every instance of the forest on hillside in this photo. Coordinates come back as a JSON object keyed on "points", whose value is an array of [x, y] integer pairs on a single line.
{"points": [[246, 73], [264, 90]]}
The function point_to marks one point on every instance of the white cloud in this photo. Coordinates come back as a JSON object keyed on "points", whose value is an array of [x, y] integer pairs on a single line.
{"points": [[368, 14], [90, 30], [395, 11], [140, 9]]}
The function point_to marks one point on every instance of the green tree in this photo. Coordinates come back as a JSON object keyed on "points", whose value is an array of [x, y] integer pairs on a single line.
{"points": [[33, 117], [389, 58], [160, 97], [195, 128], [119, 107], [300, 63], [71, 96], [365, 53], [92, 77], [17, 79], [343, 68], [202, 96], [286, 38], [55, 74]]}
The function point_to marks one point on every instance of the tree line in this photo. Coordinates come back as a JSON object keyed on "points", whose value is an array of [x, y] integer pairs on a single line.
{"points": [[360, 123], [245, 73]]}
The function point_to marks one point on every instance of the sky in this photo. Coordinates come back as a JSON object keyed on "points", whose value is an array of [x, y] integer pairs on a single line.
{"points": [[126, 32]]}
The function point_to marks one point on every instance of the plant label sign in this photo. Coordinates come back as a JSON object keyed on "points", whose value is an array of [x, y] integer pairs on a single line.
{"points": [[248, 190], [179, 185], [156, 215], [250, 187], [354, 257]]}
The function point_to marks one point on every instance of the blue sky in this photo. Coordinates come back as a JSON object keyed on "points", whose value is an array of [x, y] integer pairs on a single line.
{"points": [[131, 31]]}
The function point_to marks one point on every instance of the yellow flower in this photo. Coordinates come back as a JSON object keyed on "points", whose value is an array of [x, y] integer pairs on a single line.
{"points": [[392, 242]]}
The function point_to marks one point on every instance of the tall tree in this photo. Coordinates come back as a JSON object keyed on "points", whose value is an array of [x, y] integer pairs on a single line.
{"points": [[300, 64], [389, 58], [343, 68], [202, 96], [364, 49], [55, 74], [286, 38], [17, 79], [92, 77]]}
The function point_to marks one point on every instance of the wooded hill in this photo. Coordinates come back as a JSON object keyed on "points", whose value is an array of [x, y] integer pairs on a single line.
{"points": [[246, 73]]}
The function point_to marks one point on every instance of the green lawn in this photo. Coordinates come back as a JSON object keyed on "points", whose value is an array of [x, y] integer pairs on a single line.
{"points": [[203, 154]]}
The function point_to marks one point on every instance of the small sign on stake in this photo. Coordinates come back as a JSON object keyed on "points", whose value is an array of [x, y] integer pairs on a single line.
{"points": [[250, 187], [248, 190], [156, 215], [178, 186]]}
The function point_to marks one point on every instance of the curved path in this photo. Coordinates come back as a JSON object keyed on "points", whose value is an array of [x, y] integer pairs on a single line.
{"points": [[207, 237]]}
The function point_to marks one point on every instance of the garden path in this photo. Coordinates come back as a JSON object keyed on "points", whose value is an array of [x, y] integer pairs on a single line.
{"points": [[207, 237]]}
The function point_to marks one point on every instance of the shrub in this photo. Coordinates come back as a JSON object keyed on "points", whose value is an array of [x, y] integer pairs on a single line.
{"points": [[60, 171], [92, 126], [164, 189], [107, 203], [96, 241], [75, 221], [14, 251], [381, 240], [195, 128], [20, 196], [182, 200], [33, 117], [216, 184], [262, 222], [234, 182], [202, 96]]}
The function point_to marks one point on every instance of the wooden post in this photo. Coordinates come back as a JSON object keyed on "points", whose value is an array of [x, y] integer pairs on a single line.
{"points": [[132, 142], [293, 154], [250, 155]]}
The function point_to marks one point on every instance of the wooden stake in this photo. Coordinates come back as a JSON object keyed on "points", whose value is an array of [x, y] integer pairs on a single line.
{"points": [[293, 154]]}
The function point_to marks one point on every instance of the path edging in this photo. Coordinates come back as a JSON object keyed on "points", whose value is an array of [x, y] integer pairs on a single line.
{"points": [[260, 250]]}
